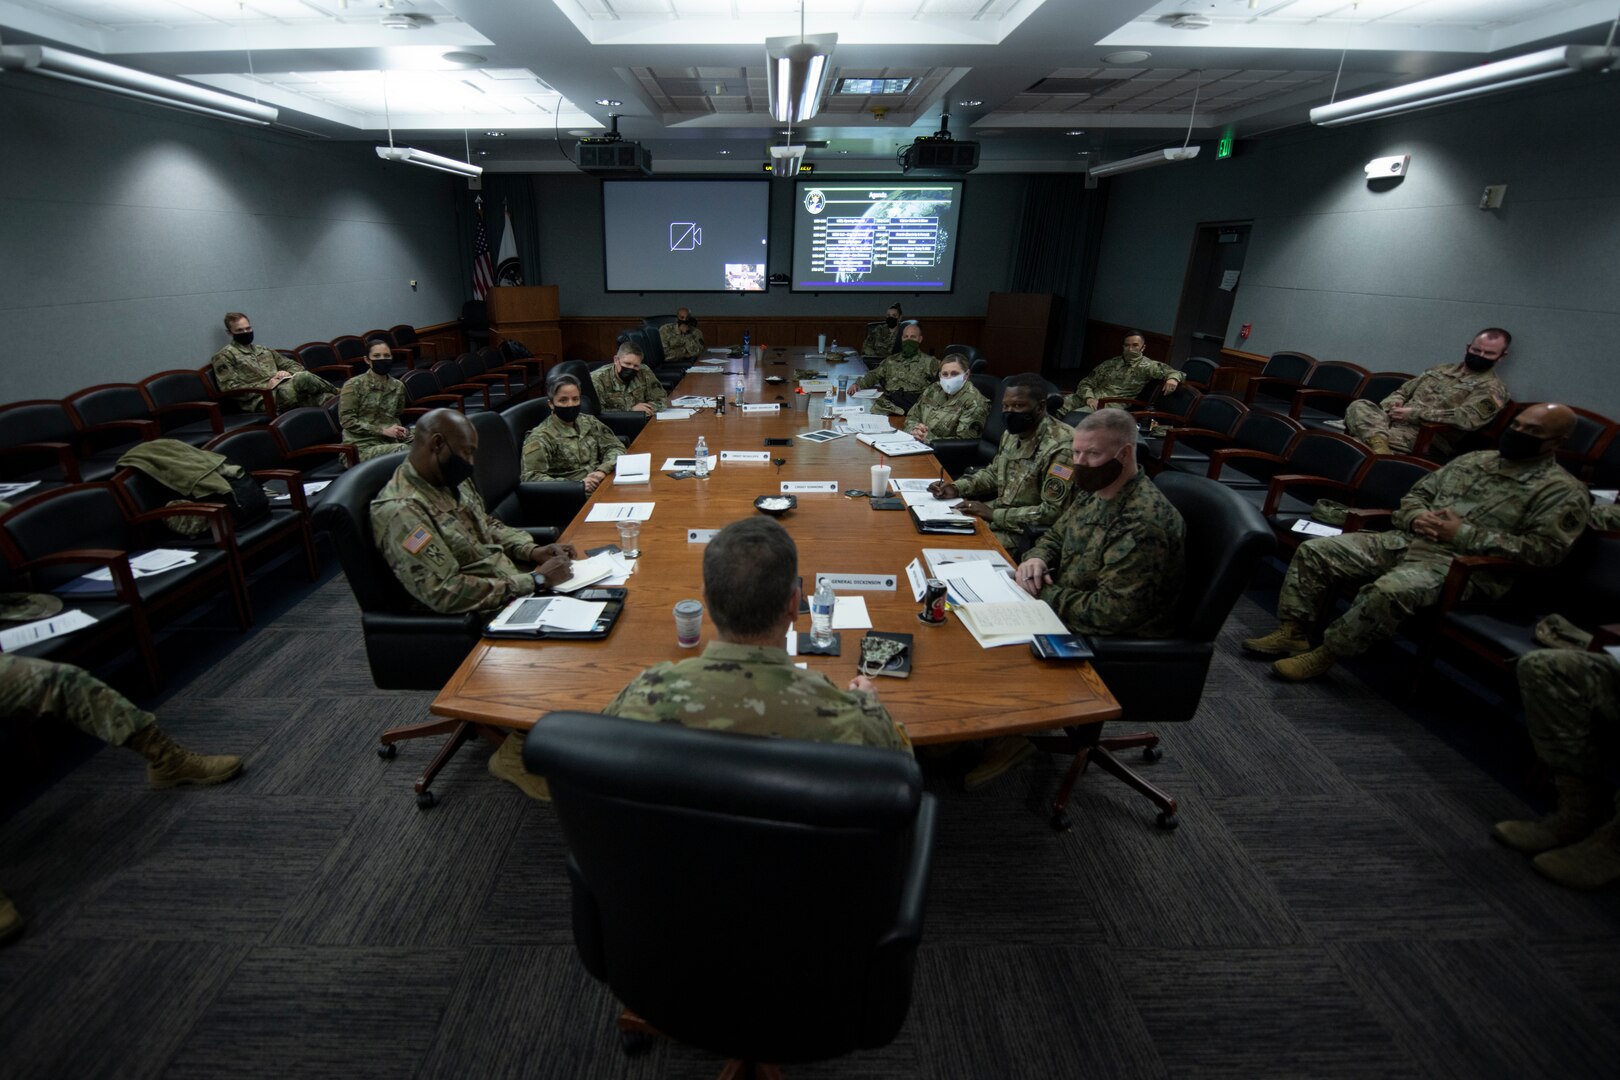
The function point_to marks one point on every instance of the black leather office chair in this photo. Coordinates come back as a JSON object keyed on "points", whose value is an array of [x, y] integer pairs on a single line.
{"points": [[1162, 679], [544, 508], [760, 899], [626, 424]]}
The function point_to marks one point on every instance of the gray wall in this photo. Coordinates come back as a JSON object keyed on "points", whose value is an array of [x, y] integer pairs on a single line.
{"points": [[128, 230], [1400, 279], [570, 207]]}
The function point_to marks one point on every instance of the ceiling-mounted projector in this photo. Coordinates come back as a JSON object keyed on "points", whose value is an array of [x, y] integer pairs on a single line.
{"points": [[611, 154], [939, 153]]}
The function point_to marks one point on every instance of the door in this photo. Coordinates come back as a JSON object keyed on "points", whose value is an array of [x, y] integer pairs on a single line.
{"points": [[1214, 276]]}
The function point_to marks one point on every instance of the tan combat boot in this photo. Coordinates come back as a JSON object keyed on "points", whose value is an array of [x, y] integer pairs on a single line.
{"points": [[1000, 755], [1582, 804], [1305, 666], [169, 764], [11, 920], [506, 763], [1289, 639], [1379, 444], [1590, 864]]}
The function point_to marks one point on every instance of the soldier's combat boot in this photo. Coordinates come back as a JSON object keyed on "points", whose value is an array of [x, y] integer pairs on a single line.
{"points": [[1590, 864], [11, 920], [1000, 755], [1305, 666], [1582, 805], [506, 763], [168, 764], [1289, 639], [1379, 444]]}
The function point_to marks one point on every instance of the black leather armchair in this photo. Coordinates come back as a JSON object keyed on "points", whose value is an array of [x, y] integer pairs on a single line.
{"points": [[542, 507], [760, 899], [1162, 679]]}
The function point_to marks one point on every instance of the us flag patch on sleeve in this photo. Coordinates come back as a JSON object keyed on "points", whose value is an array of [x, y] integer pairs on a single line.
{"points": [[1060, 470], [417, 540]]}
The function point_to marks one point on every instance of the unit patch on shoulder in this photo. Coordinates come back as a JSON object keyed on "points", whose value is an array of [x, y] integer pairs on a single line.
{"points": [[418, 540]]}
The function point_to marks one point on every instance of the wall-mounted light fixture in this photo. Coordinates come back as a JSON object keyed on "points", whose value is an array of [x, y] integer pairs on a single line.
{"points": [[87, 71]]}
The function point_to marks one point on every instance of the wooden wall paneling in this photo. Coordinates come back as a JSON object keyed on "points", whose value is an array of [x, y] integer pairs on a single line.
{"points": [[595, 337]]}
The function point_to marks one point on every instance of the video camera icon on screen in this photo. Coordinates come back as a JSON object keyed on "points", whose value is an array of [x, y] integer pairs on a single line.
{"points": [[685, 236]]}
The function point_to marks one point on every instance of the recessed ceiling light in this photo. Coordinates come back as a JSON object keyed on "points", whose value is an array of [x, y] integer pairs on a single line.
{"points": [[1129, 56], [608, 101], [1074, 133], [465, 59], [970, 102], [843, 151], [723, 151], [496, 134]]}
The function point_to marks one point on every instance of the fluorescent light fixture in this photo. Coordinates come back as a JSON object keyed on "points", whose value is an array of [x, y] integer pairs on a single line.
{"points": [[1146, 161], [1468, 83], [87, 71], [785, 160], [412, 156], [798, 68]]}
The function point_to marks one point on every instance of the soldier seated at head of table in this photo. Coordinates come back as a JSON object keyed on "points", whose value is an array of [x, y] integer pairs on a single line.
{"points": [[681, 339], [628, 385], [744, 682], [880, 339], [570, 444], [903, 375]]}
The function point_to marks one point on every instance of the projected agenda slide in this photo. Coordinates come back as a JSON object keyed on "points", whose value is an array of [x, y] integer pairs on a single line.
{"points": [[881, 237], [685, 235]]}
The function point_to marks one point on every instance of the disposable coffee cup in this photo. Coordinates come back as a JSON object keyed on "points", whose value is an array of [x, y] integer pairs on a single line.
{"points": [[880, 481], [688, 623]]}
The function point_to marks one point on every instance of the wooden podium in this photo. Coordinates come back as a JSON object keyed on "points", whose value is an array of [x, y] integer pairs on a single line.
{"points": [[526, 314]]}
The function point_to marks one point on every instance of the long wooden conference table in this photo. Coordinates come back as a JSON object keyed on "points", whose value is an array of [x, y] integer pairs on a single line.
{"points": [[957, 690]]}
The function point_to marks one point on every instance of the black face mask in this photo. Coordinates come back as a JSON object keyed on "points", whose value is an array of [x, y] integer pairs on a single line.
{"points": [[244, 338], [1020, 423], [1478, 363], [566, 413], [381, 366], [1519, 445], [453, 470], [628, 375], [892, 322], [1097, 477]]}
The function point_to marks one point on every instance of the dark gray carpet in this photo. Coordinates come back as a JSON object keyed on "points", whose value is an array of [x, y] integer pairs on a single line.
{"points": [[1332, 905]]}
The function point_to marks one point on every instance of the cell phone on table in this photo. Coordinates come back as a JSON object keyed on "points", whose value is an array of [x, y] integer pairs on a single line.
{"points": [[1061, 647], [778, 442]]}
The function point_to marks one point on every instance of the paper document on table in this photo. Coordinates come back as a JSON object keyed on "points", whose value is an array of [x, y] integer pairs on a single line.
{"points": [[632, 469], [995, 625], [912, 483], [913, 497], [622, 569], [706, 369], [548, 613], [673, 414], [937, 510], [868, 423], [588, 572], [147, 563], [980, 583], [849, 613], [20, 637], [621, 511], [692, 401], [901, 447], [939, 558]]}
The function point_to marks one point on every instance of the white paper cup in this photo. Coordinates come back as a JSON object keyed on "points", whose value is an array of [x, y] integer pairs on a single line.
{"points": [[880, 481]]}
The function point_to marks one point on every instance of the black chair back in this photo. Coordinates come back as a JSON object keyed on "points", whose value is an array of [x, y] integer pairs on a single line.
{"points": [[105, 404], [497, 467], [254, 449], [1339, 376], [1200, 370], [1294, 367], [404, 335], [175, 387], [84, 516], [1266, 432], [1386, 479], [758, 898], [1180, 403], [1217, 412], [319, 354], [348, 347], [421, 384], [308, 425], [652, 345], [1381, 384], [37, 421], [1327, 454], [580, 370], [524, 417], [969, 351]]}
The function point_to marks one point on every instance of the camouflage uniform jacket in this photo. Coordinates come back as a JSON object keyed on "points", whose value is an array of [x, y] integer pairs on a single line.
{"points": [[949, 416], [756, 690], [1118, 377], [1117, 563], [1532, 511], [241, 366], [1028, 482], [448, 552], [367, 404], [1452, 395], [557, 451], [679, 346], [898, 373], [879, 342], [619, 396]]}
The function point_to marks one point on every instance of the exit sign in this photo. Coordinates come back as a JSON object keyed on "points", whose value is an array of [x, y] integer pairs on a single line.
{"points": [[1224, 150], [805, 167]]}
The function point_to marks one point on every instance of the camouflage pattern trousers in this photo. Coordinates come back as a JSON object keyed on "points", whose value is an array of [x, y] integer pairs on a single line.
{"points": [[1568, 697], [303, 388], [1395, 582], [1363, 419], [30, 687]]}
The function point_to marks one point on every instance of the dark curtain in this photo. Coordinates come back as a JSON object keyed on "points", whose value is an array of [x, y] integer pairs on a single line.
{"points": [[502, 191], [1059, 239]]}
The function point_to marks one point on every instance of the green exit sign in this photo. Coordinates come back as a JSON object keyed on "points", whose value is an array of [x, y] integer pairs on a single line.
{"points": [[1224, 150]]}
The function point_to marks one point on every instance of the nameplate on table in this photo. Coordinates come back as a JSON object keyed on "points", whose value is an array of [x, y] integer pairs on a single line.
{"points": [[701, 536], [792, 487], [859, 582], [745, 455], [773, 407], [848, 410], [919, 580]]}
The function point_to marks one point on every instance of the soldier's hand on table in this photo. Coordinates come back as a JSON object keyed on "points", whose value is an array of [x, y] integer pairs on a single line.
{"points": [[643, 407], [861, 682], [940, 489], [592, 480], [974, 508], [1033, 576], [543, 552], [555, 570]]}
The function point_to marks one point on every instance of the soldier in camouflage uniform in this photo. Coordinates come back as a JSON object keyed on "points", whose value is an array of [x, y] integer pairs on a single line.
{"points": [[1569, 695], [1464, 396], [745, 682], [570, 444], [1517, 503], [628, 386], [681, 339], [30, 687], [880, 339], [1122, 376], [903, 375], [244, 365], [369, 406], [1028, 483], [951, 407]]}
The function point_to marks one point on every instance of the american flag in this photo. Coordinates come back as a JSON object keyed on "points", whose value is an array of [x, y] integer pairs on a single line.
{"points": [[483, 265]]}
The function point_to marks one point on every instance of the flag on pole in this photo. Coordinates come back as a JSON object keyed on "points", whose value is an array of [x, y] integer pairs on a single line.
{"points": [[508, 271], [483, 268]]}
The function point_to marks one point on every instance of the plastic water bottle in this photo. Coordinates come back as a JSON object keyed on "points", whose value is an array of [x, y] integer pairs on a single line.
{"points": [[832, 400], [745, 343], [833, 348], [737, 393], [702, 455], [821, 613]]}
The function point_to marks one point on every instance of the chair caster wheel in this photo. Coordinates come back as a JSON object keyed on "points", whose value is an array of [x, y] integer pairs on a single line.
{"points": [[634, 1042], [1151, 753], [389, 752], [1168, 821], [1060, 822], [426, 800]]}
